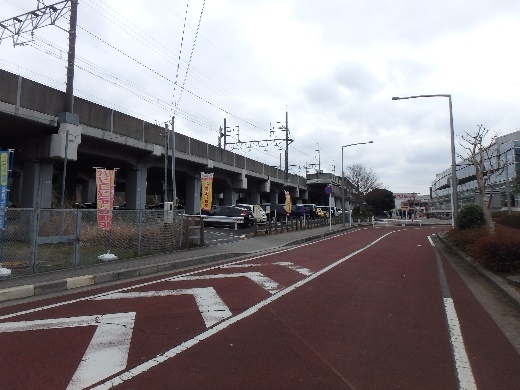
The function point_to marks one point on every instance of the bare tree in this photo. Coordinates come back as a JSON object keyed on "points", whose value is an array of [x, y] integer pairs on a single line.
{"points": [[363, 178], [487, 167]]}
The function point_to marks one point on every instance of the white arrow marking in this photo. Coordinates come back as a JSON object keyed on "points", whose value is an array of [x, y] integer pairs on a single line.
{"points": [[211, 307], [107, 352], [294, 267], [257, 277], [288, 264]]}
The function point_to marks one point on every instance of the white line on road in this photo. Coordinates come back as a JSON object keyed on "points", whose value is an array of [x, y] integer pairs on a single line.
{"points": [[462, 364], [460, 357]]}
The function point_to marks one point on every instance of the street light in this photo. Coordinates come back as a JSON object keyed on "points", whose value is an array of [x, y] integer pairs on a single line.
{"points": [[454, 200], [343, 183]]}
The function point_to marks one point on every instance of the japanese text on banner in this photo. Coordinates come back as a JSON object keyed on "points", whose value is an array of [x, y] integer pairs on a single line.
{"points": [[105, 197], [207, 191]]}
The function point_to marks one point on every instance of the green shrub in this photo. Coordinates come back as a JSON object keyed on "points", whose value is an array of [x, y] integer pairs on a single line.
{"points": [[499, 251], [470, 216], [512, 220]]}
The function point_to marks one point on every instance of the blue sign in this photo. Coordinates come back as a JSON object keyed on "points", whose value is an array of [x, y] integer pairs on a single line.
{"points": [[328, 189]]}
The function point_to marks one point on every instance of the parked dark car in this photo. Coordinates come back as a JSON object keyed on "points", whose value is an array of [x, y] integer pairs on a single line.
{"points": [[231, 211], [276, 211], [300, 211]]}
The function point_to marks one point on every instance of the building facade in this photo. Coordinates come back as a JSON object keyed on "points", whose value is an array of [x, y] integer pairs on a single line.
{"points": [[502, 179]]}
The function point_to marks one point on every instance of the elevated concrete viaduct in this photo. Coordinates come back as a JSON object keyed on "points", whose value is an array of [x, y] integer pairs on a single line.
{"points": [[34, 124]]}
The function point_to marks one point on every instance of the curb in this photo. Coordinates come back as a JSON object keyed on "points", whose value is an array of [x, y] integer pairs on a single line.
{"points": [[500, 284]]}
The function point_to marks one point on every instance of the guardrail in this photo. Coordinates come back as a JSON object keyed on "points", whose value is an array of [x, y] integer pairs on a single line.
{"points": [[395, 222]]}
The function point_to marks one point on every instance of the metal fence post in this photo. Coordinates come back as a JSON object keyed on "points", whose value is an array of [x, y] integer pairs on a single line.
{"points": [[34, 240], [201, 232], [77, 239], [139, 231]]}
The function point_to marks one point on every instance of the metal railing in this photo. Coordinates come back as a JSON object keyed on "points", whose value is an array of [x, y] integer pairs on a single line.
{"points": [[43, 240]]}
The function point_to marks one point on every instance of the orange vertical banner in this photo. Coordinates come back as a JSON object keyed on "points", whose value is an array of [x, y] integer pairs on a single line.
{"points": [[206, 198], [105, 197]]}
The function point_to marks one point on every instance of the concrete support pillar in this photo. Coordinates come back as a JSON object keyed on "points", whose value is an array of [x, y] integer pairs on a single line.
{"points": [[135, 196], [193, 186], [230, 197], [88, 191], [295, 192], [255, 198], [265, 186], [37, 183]]}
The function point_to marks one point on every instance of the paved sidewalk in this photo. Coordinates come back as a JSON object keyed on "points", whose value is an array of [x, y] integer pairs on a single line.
{"points": [[50, 282]]}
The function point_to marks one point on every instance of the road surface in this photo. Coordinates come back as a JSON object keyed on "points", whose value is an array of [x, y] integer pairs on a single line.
{"points": [[372, 308]]}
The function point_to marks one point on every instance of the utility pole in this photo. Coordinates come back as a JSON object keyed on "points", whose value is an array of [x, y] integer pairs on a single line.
{"points": [[225, 134], [69, 92], [165, 185], [286, 147], [174, 184]]}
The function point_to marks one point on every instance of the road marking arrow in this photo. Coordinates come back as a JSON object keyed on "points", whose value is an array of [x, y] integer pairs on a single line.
{"points": [[294, 267], [257, 277], [107, 353], [288, 264], [211, 306]]}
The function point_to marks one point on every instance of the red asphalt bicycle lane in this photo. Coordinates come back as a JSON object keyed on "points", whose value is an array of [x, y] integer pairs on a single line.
{"points": [[374, 321], [53, 355]]}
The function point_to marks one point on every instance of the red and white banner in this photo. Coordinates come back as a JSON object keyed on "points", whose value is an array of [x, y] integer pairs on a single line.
{"points": [[105, 197], [206, 198]]}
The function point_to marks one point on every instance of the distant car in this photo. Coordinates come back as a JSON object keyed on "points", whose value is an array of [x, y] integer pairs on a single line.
{"points": [[261, 216]]}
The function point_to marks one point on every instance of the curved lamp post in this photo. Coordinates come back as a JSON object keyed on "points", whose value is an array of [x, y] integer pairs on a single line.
{"points": [[343, 183], [454, 200]]}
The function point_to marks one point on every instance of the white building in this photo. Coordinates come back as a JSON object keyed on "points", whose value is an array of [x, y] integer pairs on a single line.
{"points": [[503, 179]]}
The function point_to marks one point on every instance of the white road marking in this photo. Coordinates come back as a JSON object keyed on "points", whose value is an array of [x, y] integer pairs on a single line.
{"points": [[294, 267], [301, 270], [462, 364], [211, 306], [127, 375], [257, 277], [107, 352]]}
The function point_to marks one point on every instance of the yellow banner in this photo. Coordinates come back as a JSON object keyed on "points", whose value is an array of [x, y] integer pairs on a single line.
{"points": [[288, 202], [206, 197]]}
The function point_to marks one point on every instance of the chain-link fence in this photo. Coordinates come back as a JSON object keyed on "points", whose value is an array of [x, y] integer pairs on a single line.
{"points": [[47, 240]]}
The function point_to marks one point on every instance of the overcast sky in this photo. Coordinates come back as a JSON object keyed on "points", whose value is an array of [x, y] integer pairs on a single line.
{"points": [[333, 65]]}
